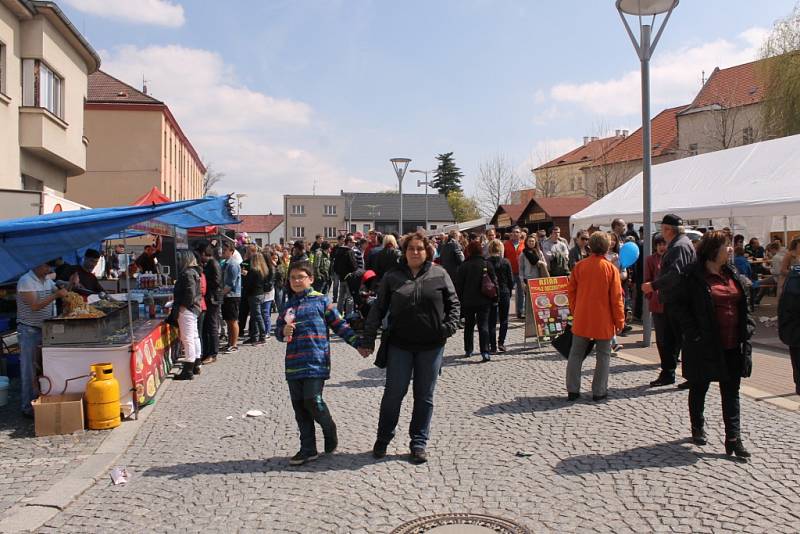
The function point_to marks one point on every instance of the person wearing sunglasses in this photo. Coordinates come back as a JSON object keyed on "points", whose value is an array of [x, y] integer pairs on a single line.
{"points": [[580, 250]]}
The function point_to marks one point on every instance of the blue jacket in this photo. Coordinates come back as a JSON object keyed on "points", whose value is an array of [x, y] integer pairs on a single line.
{"points": [[308, 354], [231, 277]]}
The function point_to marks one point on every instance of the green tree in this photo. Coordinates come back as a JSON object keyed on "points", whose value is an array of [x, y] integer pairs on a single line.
{"points": [[447, 177], [781, 105], [463, 208]]}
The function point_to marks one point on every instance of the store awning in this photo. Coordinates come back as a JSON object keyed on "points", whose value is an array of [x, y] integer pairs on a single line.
{"points": [[31, 241]]}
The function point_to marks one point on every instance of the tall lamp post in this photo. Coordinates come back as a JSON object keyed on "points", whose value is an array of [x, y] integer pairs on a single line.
{"points": [[644, 46], [427, 183], [400, 165]]}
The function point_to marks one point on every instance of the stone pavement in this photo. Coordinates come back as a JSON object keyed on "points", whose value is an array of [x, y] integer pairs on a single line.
{"points": [[30, 465], [504, 442]]}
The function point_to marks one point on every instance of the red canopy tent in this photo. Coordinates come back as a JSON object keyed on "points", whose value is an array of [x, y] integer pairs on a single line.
{"points": [[155, 196]]}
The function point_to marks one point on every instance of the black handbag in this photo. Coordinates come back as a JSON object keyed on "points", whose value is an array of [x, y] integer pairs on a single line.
{"points": [[382, 356], [563, 343]]}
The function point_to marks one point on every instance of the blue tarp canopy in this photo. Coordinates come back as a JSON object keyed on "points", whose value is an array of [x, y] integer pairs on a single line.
{"points": [[31, 241]]}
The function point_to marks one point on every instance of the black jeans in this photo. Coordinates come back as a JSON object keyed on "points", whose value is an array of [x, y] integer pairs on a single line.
{"points": [[670, 347], [308, 405], [794, 353], [729, 391], [480, 316], [244, 313], [499, 310], [201, 322], [210, 335]]}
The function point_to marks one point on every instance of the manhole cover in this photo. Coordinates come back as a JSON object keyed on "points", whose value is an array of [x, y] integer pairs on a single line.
{"points": [[461, 524]]}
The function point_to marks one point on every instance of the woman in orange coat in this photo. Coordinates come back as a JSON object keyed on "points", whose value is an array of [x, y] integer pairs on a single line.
{"points": [[598, 311]]}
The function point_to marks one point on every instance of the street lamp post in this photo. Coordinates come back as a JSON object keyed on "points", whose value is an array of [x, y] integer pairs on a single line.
{"points": [[400, 165], [644, 49], [427, 183]]}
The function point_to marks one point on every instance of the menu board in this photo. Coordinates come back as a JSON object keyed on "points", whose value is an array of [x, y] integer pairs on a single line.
{"points": [[548, 313], [151, 361]]}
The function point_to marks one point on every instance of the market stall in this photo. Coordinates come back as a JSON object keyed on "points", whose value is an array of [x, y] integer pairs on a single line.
{"points": [[126, 329]]}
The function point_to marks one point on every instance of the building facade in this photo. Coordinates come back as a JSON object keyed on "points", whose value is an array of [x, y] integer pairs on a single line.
{"points": [[135, 144], [306, 216], [262, 229], [44, 65]]}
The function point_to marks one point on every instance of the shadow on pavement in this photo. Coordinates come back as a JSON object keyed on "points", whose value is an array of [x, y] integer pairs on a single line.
{"points": [[335, 462], [554, 402], [659, 455]]}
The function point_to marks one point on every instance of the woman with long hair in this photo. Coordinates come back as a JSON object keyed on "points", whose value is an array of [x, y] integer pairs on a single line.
{"points": [[269, 292], [717, 327], [531, 265], [505, 284], [475, 306], [186, 299], [253, 287]]}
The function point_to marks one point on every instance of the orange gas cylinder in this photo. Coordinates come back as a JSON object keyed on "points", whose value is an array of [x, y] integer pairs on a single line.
{"points": [[102, 398]]}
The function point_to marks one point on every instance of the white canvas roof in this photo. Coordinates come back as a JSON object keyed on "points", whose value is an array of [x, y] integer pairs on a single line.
{"points": [[758, 185]]}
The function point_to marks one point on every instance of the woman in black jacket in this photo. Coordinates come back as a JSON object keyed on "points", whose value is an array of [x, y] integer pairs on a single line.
{"points": [[717, 326], [423, 310], [505, 283], [186, 303], [789, 321], [253, 287], [474, 304]]}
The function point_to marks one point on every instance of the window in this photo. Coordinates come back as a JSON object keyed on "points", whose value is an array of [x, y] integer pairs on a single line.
{"points": [[580, 183], [600, 190], [367, 227], [41, 87], [2, 68], [259, 241], [298, 231], [353, 228], [298, 209], [572, 184], [330, 231], [693, 149], [434, 227], [748, 136], [330, 209]]}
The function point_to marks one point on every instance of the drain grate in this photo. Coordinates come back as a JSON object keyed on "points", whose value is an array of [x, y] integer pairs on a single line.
{"points": [[462, 523]]}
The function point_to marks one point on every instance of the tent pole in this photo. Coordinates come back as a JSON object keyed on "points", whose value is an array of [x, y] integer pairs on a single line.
{"points": [[785, 231]]}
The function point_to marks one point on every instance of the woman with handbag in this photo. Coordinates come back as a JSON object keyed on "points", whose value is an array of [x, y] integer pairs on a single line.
{"points": [[423, 310], [476, 284], [186, 306], [598, 311], [505, 284], [717, 327]]}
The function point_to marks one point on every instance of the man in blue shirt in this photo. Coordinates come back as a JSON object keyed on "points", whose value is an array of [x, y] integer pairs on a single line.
{"points": [[232, 293]]}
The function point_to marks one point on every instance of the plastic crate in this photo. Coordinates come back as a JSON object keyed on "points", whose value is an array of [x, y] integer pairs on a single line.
{"points": [[12, 365]]}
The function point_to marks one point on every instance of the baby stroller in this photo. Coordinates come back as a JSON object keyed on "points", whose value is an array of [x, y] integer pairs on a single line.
{"points": [[363, 287]]}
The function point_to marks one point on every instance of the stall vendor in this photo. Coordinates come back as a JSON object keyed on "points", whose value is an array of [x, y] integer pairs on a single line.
{"points": [[36, 296], [147, 261], [81, 278]]}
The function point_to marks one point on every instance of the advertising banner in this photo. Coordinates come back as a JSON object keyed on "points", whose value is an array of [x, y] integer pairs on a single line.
{"points": [[151, 361], [548, 308]]}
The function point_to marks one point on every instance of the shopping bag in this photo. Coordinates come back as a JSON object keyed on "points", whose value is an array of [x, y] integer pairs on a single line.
{"points": [[563, 343]]}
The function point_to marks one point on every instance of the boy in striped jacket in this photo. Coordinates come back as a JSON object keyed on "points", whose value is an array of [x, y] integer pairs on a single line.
{"points": [[303, 325]]}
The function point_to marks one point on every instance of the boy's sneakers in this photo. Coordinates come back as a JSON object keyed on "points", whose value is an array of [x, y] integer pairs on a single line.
{"points": [[302, 458]]}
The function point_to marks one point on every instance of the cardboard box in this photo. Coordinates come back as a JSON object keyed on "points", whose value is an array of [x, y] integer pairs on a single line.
{"points": [[58, 414]]}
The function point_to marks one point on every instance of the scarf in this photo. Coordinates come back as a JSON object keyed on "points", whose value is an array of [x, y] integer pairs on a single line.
{"points": [[532, 256]]}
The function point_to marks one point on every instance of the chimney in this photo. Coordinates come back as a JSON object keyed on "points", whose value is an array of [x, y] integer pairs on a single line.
{"points": [[585, 140], [617, 133], [595, 138], [624, 133]]}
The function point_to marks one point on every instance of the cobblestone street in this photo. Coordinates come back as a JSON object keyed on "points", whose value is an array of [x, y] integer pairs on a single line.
{"points": [[504, 442]]}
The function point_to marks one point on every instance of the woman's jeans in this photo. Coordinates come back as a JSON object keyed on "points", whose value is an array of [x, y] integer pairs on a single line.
{"points": [[190, 338], [476, 316], [279, 304], [401, 364], [499, 310], [576, 357], [257, 329], [30, 342], [728, 390], [266, 312]]}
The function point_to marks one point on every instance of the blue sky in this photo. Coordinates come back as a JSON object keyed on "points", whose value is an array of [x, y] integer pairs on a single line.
{"points": [[282, 95]]}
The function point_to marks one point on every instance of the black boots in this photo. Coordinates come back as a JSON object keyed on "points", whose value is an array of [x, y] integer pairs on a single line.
{"points": [[187, 371], [699, 436], [735, 446], [664, 379]]}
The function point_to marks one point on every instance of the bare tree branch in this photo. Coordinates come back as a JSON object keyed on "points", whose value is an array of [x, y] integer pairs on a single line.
{"points": [[497, 179], [210, 179]]}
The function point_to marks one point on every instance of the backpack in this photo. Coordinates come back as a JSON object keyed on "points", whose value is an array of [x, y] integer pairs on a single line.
{"points": [[559, 265], [322, 266], [488, 285]]}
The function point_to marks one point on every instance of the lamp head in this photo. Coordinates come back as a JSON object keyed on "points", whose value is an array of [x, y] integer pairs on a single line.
{"points": [[400, 165], [643, 8]]}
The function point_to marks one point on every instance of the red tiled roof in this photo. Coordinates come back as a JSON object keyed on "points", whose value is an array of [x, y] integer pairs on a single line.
{"points": [[563, 206], [584, 153], [259, 224], [664, 139], [105, 88], [732, 87], [514, 210]]}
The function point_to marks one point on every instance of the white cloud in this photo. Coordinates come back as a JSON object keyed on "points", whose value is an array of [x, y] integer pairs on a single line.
{"points": [[155, 12], [675, 77], [262, 143]]}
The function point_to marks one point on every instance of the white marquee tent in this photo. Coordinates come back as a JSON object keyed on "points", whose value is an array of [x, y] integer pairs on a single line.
{"points": [[754, 189]]}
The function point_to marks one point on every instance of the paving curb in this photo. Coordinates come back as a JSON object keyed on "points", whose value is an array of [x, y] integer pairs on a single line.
{"points": [[754, 393], [42, 508]]}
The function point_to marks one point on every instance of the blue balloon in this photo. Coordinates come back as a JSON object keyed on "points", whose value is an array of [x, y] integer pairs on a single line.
{"points": [[628, 255]]}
